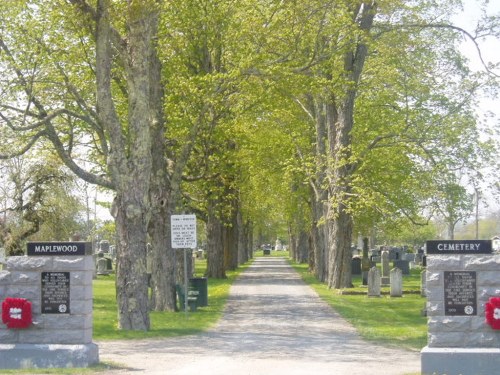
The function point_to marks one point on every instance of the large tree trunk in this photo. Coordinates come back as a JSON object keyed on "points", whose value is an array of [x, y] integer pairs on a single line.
{"points": [[339, 219], [292, 240], [340, 259], [316, 108], [130, 162], [242, 239], [249, 239], [131, 275], [162, 258], [230, 236], [215, 249], [319, 240], [302, 249], [340, 121], [161, 197]]}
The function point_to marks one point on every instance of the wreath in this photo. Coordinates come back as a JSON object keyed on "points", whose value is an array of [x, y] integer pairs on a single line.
{"points": [[16, 312], [492, 312]]}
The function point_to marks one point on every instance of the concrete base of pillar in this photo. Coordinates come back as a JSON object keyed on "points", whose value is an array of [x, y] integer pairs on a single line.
{"points": [[25, 356], [460, 361]]}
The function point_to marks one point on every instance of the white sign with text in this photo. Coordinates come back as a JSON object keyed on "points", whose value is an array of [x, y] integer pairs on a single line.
{"points": [[183, 230]]}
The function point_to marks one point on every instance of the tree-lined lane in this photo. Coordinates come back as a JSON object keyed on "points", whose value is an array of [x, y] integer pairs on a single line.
{"points": [[274, 324]]}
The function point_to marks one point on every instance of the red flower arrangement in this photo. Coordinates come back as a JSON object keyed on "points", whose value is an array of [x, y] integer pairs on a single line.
{"points": [[492, 312], [16, 312]]}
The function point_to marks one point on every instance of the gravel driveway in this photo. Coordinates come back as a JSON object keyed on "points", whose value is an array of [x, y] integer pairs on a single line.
{"points": [[273, 324]]}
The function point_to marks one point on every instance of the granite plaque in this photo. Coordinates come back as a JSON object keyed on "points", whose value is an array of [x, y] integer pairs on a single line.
{"points": [[55, 293], [460, 293]]}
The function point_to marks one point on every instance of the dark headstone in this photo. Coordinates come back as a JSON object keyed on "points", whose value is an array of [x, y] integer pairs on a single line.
{"points": [[403, 265], [356, 266]]}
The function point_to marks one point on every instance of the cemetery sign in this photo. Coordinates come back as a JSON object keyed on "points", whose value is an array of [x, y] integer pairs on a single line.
{"points": [[459, 247], [183, 231], [59, 248]]}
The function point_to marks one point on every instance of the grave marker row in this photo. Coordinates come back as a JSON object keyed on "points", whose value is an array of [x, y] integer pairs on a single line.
{"points": [[375, 282]]}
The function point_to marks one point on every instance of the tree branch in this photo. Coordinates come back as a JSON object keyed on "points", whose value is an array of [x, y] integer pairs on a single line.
{"points": [[472, 38]]}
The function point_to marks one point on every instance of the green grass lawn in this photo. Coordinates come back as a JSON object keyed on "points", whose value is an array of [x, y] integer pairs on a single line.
{"points": [[385, 320], [163, 324]]}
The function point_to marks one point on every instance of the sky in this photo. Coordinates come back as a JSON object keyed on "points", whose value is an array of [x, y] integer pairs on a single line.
{"points": [[468, 19], [490, 47], [490, 51]]}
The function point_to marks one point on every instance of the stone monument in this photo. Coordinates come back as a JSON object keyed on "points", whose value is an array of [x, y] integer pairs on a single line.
{"points": [[396, 279], [463, 286], [385, 268], [374, 282], [365, 262], [46, 300]]}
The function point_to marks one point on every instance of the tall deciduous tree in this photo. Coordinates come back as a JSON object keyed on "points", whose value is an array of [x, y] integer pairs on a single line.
{"points": [[129, 160], [118, 116]]}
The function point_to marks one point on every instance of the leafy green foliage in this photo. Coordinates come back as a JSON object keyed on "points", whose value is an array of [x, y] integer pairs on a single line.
{"points": [[38, 202]]}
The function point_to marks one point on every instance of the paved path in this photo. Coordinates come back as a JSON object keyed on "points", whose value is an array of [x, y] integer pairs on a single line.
{"points": [[273, 324]]}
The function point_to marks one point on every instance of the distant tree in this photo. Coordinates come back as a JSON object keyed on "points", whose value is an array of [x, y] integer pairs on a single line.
{"points": [[454, 205], [40, 203]]}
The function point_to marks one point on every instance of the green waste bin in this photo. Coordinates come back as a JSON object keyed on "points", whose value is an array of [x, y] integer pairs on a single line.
{"points": [[200, 284]]}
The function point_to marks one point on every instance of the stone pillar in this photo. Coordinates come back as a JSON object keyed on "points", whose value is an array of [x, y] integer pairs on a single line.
{"points": [[396, 282], [385, 267], [459, 339], [60, 291], [374, 282]]}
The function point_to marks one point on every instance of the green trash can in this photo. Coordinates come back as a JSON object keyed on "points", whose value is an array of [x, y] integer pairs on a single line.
{"points": [[200, 284]]}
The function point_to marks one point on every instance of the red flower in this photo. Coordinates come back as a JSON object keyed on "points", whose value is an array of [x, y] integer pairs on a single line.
{"points": [[492, 312], [16, 313]]}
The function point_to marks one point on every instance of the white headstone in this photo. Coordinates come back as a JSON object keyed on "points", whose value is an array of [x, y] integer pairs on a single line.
{"points": [[374, 282], [423, 279], [396, 282]]}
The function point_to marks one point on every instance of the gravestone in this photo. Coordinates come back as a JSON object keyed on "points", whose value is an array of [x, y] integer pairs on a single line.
{"points": [[418, 258], [396, 282], [385, 268], [374, 282], [104, 246], [356, 266], [365, 262], [102, 266], [403, 265], [423, 288], [410, 257], [462, 282], [395, 253]]}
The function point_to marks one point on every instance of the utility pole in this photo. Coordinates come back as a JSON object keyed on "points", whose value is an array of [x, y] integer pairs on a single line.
{"points": [[477, 211]]}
